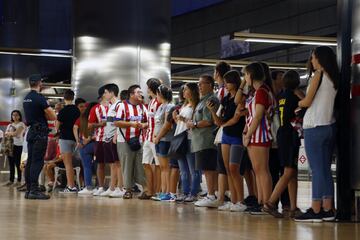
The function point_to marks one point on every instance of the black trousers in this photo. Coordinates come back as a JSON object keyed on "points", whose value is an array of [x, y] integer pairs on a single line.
{"points": [[276, 172], [14, 161], [37, 144]]}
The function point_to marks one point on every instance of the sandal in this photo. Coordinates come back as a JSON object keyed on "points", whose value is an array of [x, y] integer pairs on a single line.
{"points": [[271, 209], [295, 213], [144, 196], [127, 195]]}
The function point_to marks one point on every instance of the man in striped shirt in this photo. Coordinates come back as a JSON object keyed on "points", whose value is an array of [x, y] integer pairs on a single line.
{"points": [[97, 121], [131, 121], [149, 153]]}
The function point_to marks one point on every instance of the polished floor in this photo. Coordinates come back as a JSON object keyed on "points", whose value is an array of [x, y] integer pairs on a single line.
{"points": [[71, 217]]}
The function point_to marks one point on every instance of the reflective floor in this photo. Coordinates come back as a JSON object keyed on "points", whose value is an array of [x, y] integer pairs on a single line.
{"points": [[71, 217]]}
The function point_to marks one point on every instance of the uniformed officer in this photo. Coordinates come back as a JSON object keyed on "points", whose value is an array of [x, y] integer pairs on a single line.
{"points": [[37, 112]]}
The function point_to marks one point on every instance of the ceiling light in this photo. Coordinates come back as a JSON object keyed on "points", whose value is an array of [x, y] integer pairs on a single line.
{"points": [[37, 52], [233, 63], [184, 79], [284, 39]]}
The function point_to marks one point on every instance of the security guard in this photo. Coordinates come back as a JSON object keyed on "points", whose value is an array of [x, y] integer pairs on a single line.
{"points": [[37, 112]]}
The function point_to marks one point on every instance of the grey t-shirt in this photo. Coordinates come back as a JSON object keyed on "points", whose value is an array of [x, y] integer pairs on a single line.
{"points": [[160, 120], [203, 138], [110, 128]]}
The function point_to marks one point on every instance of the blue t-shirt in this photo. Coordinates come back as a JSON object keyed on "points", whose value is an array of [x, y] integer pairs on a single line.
{"points": [[34, 105]]}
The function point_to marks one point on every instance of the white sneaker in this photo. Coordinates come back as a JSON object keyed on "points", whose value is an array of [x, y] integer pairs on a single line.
{"points": [[225, 206], [118, 193], [237, 207], [207, 202], [98, 191], [85, 192], [106, 193]]}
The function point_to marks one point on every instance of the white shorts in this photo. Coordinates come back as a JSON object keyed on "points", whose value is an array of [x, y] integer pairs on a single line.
{"points": [[149, 153]]}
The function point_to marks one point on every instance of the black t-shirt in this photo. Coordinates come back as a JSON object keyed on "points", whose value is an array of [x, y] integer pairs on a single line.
{"points": [[288, 102], [67, 117], [228, 113], [34, 105]]}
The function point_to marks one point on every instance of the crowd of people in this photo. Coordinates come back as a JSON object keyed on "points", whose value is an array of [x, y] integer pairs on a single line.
{"points": [[229, 127]]}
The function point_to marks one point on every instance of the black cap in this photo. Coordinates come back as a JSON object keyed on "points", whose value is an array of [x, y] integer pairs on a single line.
{"points": [[101, 92], [35, 78]]}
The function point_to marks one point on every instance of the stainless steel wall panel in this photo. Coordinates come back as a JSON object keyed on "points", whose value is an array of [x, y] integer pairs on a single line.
{"points": [[125, 42]]}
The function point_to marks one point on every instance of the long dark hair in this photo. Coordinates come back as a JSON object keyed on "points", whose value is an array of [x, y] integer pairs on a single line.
{"points": [[84, 130], [327, 59], [233, 77], [256, 72], [268, 80], [18, 112], [195, 95]]}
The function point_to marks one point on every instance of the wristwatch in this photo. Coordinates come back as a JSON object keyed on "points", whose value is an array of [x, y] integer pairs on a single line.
{"points": [[195, 124]]}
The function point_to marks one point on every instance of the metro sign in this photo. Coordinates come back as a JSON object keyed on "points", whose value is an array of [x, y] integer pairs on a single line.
{"points": [[302, 159]]}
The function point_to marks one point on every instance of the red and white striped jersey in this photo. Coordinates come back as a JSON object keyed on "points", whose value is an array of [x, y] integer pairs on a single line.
{"points": [[151, 110], [261, 96], [221, 93], [98, 114], [128, 112]]}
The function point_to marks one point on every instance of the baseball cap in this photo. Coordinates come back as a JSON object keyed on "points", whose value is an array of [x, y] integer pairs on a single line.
{"points": [[101, 92], [35, 78]]}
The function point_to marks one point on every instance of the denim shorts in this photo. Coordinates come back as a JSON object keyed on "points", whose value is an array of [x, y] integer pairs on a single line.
{"points": [[67, 146], [162, 148], [230, 140]]}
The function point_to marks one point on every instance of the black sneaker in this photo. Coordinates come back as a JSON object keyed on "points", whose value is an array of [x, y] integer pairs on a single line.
{"points": [[310, 216], [135, 189], [251, 201], [37, 195], [42, 188], [69, 190], [27, 194], [258, 211], [328, 215]]}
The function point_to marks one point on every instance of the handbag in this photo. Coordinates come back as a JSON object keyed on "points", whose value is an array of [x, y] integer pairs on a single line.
{"points": [[133, 143], [178, 146], [218, 136]]}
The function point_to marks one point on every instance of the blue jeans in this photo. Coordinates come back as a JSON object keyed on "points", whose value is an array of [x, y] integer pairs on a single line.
{"points": [[319, 145], [87, 157], [190, 178]]}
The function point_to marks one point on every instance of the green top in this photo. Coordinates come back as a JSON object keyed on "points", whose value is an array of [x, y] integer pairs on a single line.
{"points": [[203, 138]]}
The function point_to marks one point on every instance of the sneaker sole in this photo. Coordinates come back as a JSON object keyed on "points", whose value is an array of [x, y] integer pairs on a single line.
{"points": [[329, 219], [120, 196], [259, 213], [309, 220]]}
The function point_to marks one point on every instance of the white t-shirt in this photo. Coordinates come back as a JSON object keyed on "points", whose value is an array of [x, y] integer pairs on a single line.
{"points": [[12, 127], [185, 112], [321, 111]]}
